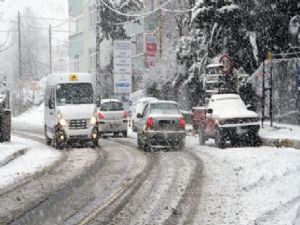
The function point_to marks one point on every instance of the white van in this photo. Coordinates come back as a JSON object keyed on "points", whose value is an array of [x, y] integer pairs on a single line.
{"points": [[70, 109]]}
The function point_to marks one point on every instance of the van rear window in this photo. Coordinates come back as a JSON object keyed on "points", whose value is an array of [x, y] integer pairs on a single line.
{"points": [[74, 93]]}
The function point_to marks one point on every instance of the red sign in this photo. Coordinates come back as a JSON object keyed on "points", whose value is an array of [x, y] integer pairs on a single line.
{"points": [[151, 49], [228, 64]]}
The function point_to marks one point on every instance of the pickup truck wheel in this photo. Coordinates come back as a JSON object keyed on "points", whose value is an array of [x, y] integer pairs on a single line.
{"points": [[124, 133], [219, 139], [235, 142], [181, 144], [201, 136], [255, 140]]}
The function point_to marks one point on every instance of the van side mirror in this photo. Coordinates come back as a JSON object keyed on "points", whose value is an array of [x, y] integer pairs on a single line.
{"points": [[209, 111], [98, 102], [139, 116], [51, 104]]}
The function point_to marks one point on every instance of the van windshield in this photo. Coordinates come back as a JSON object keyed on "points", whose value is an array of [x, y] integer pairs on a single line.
{"points": [[74, 93]]}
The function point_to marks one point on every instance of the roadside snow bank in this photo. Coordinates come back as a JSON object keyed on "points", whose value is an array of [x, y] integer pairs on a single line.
{"points": [[32, 120], [38, 158], [280, 131], [248, 185], [9, 151]]}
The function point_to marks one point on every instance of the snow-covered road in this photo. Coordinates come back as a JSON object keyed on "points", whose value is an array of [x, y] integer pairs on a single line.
{"points": [[248, 185], [201, 185]]}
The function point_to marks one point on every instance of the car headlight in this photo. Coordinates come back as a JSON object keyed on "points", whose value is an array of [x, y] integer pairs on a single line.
{"points": [[93, 120]]}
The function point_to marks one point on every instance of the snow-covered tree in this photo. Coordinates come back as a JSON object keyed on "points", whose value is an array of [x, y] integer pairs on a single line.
{"points": [[112, 28]]}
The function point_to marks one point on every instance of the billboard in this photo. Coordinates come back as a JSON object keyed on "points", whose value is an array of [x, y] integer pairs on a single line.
{"points": [[122, 67]]}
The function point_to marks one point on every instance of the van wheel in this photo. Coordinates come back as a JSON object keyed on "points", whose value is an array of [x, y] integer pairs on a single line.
{"points": [[48, 140], [95, 143]]}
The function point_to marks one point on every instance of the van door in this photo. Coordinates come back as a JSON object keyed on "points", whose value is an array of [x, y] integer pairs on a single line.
{"points": [[50, 112]]}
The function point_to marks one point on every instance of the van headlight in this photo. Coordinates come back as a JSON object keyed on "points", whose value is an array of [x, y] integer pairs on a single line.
{"points": [[63, 122], [93, 120]]}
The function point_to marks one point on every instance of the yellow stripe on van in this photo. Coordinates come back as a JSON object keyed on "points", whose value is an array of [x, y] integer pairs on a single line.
{"points": [[73, 77]]}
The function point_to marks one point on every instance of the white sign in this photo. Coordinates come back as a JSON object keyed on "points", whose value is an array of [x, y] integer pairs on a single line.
{"points": [[122, 67]]}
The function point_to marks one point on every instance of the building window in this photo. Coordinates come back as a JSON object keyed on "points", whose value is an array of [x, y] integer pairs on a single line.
{"points": [[92, 59], [92, 17]]}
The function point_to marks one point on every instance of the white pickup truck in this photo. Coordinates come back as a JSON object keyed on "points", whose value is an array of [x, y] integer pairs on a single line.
{"points": [[226, 118]]}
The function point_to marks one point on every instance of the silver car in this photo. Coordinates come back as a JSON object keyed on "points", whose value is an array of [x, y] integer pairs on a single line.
{"points": [[160, 125], [112, 118]]}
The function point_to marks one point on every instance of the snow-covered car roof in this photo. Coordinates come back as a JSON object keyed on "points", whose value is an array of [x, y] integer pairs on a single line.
{"points": [[225, 96], [147, 99], [164, 101], [109, 100]]}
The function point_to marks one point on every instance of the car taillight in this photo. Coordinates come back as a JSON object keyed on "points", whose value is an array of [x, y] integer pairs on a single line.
{"points": [[182, 123], [125, 115], [150, 122], [100, 116]]}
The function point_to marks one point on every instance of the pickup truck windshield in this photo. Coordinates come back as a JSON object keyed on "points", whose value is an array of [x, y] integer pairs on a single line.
{"points": [[164, 108], [74, 93]]}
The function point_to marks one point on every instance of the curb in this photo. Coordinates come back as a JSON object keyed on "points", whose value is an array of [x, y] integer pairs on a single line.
{"points": [[284, 142], [25, 180], [13, 156]]}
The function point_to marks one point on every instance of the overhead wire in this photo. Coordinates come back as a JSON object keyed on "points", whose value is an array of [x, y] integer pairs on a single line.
{"points": [[135, 15]]}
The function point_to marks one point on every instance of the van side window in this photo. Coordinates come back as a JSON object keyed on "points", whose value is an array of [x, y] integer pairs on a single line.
{"points": [[52, 97], [47, 96]]}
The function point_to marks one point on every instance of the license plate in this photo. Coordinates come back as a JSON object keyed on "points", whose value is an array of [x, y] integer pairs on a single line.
{"points": [[240, 130]]}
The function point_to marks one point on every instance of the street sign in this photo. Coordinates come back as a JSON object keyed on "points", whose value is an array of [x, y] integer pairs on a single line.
{"points": [[228, 64], [122, 67]]}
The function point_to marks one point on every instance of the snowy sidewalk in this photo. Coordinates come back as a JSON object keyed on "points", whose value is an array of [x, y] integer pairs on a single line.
{"points": [[22, 160], [280, 135]]}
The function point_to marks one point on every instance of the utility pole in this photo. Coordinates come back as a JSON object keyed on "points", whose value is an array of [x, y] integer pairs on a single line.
{"points": [[20, 45], [20, 99], [263, 95], [160, 30], [50, 49], [98, 57]]}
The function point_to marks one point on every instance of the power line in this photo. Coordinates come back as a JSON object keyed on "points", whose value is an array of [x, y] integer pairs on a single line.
{"points": [[177, 11], [42, 18], [136, 15]]}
